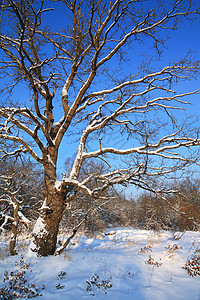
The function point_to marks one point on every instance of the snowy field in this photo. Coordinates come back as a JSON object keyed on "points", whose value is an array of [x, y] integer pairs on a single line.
{"points": [[123, 263]]}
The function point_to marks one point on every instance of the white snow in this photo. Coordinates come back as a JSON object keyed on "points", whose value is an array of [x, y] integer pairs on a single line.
{"points": [[50, 160], [23, 218], [39, 226], [118, 257], [57, 184], [40, 230], [44, 205]]}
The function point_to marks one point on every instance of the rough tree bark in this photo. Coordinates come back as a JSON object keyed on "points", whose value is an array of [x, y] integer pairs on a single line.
{"points": [[47, 226], [14, 230]]}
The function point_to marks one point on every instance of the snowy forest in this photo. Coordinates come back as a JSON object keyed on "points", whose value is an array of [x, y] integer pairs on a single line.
{"points": [[24, 181], [100, 148]]}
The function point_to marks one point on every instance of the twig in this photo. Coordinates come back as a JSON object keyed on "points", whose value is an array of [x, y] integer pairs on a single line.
{"points": [[66, 243]]}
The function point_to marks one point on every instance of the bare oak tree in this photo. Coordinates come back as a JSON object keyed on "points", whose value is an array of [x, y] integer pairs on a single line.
{"points": [[81, 67]]}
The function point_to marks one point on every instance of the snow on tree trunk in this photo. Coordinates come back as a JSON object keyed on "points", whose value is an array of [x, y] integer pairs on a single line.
{"points": [[14, 229], [46, 228]]}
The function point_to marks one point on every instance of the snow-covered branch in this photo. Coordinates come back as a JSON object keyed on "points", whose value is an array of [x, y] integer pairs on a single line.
{"points": [[161, 149], [21, 141], [11, 202]]}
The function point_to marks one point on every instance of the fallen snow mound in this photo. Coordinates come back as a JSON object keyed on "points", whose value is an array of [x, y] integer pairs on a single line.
{"points": [[122, 263]]}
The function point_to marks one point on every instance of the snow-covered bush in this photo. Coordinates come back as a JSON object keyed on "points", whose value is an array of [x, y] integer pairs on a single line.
{"points": [[95, 283], [193, 264], [16, 284], [172, 248], [151, 261], [145, 249]]}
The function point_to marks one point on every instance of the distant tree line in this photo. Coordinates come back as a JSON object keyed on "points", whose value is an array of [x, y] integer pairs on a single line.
{"points": [[182, 212], [147, 211]]}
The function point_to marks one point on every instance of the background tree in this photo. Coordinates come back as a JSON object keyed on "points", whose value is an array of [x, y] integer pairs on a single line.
{"points": [[151, 212], [26, 175], [10, 204], [21, 193], [74, 80]]}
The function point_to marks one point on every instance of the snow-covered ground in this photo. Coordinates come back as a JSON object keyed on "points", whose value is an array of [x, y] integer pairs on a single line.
{"points": [[123, 263]]}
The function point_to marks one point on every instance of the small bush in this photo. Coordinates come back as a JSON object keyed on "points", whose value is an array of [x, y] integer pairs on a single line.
{"points": [[193, 264], [151, 261], [173, 248], [16, 283], [145, 249], [95, 282]]}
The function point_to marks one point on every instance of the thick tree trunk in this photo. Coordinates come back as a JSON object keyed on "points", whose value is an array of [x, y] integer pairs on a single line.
{"points": [[14, 230], [46, 228], [14, 227]]}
